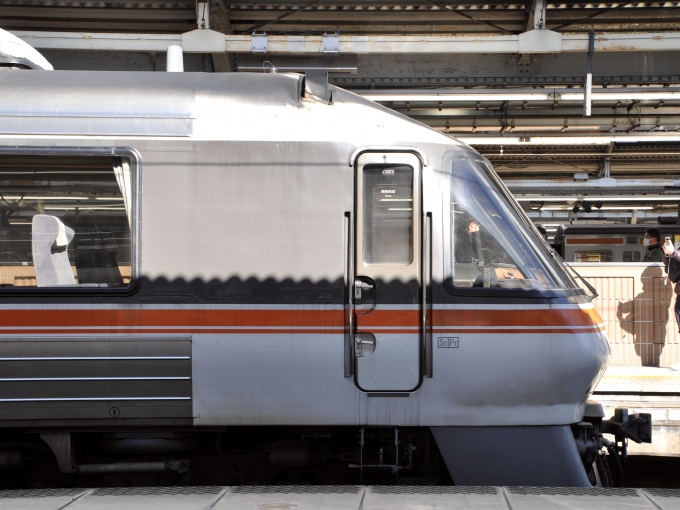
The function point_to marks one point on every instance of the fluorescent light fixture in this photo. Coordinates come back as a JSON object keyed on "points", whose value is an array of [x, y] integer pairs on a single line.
{"points": [[523, 95], [109, 198], [86, 208], [19, 197], [20, 223], [565, 138], [458, 97], [633, 207], [622, 96], [595, 209], [596, 198]]}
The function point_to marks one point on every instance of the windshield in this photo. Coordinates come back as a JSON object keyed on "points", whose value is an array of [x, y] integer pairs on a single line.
{"points": [[490, 246]]}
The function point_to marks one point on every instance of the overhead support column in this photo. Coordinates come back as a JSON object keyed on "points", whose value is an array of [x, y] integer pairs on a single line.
{"points": [[537, 39], [587, 104], [203, 15], [223, 62], [537, 15]]}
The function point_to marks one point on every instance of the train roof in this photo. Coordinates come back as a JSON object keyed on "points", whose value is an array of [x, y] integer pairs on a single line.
{"points": [[224, 106]]}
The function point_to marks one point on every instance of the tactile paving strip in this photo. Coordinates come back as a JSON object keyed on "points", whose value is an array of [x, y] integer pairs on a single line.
{"points": [[420, 489], [156, 491], [664, 493], [41, 493], [573, 491], [298, 489]]}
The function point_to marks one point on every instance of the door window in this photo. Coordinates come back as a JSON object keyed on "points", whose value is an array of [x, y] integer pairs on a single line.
{"points": [[387, 236]]}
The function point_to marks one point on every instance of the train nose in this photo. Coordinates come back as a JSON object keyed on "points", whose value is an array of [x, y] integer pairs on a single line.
{"points": [[594, 352]]}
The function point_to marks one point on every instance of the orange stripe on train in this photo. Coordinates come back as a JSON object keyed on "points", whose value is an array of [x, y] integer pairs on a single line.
{"points": [[555, 317], [285, 319], [123, 317], [251, 331]]}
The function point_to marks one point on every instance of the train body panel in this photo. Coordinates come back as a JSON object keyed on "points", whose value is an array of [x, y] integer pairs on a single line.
{"points": [[254, 365], [233, 253]]}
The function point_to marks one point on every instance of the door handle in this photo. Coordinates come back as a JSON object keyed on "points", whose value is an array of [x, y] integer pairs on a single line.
{"points": [[358, 285], [364, 344], [426, 282]]}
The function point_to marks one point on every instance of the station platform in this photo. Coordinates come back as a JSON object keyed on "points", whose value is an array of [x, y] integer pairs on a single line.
{"points": [[340, 498], [654, 390]]}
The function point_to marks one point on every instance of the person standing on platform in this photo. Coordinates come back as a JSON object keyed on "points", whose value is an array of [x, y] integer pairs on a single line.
{"points": [[672, 262], [652, 242]]}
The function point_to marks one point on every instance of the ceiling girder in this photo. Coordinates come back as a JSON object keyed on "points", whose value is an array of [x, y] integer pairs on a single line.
{"points": [[364, 44]]}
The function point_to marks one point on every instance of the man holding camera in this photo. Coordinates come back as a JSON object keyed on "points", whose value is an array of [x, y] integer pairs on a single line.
{"points": [[652, 242], [672, 260]]}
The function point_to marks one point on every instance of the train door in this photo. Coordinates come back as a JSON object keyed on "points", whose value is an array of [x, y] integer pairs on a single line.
{"points": [[386, 290]]}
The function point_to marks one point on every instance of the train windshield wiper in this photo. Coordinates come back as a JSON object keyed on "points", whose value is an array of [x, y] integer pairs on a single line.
{"points": [[556, 256], [585, 282]]}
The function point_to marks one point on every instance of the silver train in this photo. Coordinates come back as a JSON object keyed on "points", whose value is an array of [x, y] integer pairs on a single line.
{"points": [[266, 279]]}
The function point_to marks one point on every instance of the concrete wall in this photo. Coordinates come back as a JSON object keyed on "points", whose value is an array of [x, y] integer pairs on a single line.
{"points": [[638, 311], [67, 60]]}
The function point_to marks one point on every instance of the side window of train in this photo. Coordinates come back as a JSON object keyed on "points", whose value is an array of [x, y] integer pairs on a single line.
{"points": [[631, 256], [67, 219], [490, 245], [597, 256]]}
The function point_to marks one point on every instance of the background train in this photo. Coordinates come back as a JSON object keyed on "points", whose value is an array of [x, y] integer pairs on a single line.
{"points": [[235, 278], [608, 243]]}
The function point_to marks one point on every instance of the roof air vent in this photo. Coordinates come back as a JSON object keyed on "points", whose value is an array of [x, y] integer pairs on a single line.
{"points": [[316, 86]]}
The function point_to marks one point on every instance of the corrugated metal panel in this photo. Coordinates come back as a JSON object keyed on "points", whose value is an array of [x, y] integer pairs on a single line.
{"points": [[99, 373]]}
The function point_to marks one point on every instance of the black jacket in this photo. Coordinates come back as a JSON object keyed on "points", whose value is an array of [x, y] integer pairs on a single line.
{"points": [[654, 253]]}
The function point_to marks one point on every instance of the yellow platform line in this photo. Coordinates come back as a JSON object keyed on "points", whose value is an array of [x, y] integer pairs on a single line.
{"points": [[641, 377]]}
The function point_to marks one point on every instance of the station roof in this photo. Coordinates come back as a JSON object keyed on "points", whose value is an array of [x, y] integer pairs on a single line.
{"points": [[634, 136], [347, 17]]}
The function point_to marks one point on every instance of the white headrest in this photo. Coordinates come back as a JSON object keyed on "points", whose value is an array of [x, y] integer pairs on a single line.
{"points": [[61, 240]]}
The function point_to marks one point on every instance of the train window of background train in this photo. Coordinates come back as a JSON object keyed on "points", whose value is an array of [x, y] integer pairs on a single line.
{"points": [[599, 256], [631, 256], [489, 247], [388, 214], [65, 221]]}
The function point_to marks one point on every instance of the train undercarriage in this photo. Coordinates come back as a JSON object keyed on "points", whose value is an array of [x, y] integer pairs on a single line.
{"points": [[275, 455], [232, 456]]}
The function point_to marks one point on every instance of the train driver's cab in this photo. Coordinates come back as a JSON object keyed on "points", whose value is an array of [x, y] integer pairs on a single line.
{"points": [[491, 245]]}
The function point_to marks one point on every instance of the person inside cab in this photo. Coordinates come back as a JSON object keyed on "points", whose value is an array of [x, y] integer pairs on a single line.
{"points": [[469, 245], [652, 242]]}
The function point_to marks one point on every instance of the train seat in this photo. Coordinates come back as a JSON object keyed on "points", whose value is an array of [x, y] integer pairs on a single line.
{"points": [[50, 239]]}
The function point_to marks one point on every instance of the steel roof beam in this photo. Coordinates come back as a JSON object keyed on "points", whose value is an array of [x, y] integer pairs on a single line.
{"points": [[556, 139], [528, 112], [353, 44], [520, 95]]}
